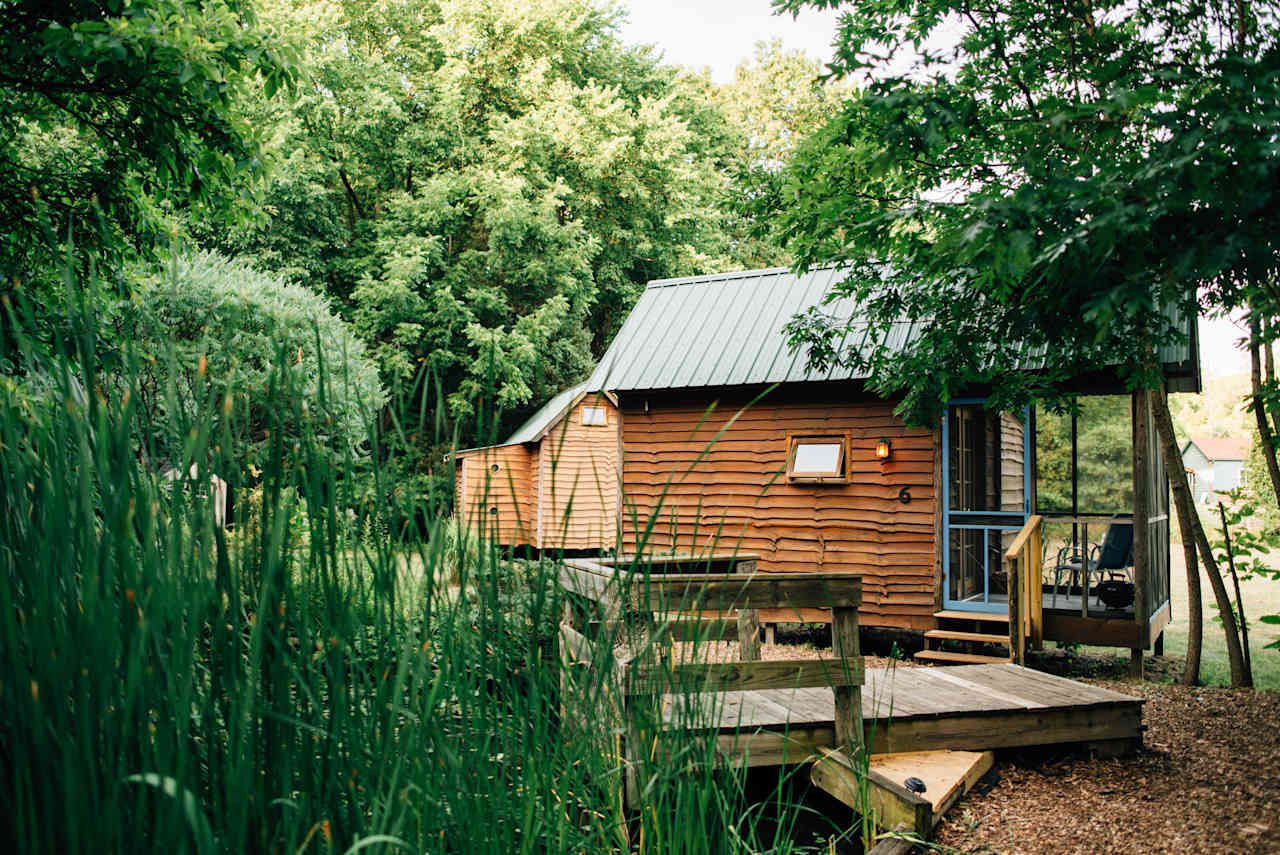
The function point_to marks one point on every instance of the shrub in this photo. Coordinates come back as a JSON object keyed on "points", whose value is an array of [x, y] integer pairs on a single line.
{"points": [[210, 329]]}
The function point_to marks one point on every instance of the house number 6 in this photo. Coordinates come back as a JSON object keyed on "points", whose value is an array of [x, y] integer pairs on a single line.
{"points": [[904, 496]]}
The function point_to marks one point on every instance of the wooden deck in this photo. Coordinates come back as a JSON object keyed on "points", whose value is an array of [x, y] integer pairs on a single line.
{"points": [[969, 707]]}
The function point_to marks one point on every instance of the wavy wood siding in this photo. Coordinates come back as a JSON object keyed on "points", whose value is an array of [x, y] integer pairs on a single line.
{"points": [[499, 502], [734, 494], [577, 480]]}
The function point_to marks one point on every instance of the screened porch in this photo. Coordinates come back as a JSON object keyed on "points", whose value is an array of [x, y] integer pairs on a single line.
{"points": [[1060, 521]]}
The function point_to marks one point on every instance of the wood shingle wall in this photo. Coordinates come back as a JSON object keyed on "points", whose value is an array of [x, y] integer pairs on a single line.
{"points": [[733, 494], [495, 493], [558, 492], [578, 480]]}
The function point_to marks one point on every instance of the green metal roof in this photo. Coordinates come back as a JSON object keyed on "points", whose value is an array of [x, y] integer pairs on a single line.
{"points": [[546, 416], [727, 329]]}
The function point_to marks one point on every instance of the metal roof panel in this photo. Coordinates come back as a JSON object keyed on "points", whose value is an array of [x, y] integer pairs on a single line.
{"points": [[727, 329]]}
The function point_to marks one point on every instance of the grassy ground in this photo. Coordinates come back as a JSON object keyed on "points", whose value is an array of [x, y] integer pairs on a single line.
{"points": [[1261, 597]]}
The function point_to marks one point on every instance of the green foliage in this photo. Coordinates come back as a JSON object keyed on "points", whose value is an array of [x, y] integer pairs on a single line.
{"points": [[1258, 491], [1253, 539], [775, 100], [213, 330], [112, 113], [1218, 410], [1067, 183], [486, 187]]}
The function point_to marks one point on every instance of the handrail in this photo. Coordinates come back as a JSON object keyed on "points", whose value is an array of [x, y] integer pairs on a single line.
{"points": [[1032, 524], [662, 592], [1025, 565]]}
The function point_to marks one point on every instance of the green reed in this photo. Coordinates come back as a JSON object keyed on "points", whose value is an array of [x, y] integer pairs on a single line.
{"points": [[309, 677]]}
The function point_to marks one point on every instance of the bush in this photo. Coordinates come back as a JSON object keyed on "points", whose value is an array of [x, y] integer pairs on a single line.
{"points": [[210, 329]]}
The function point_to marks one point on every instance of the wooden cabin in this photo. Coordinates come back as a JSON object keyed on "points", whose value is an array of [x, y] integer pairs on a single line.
{"points": [[553, 484], [730, 443]]}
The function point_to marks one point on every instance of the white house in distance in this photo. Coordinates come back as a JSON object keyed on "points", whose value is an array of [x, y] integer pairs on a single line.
{"points": [[1216, 465]]}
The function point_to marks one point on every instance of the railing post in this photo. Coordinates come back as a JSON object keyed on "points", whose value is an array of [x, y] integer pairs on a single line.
{"points": [[1036, 562], [748, 635], [1017, 650], [844, 638], [748, 623]]}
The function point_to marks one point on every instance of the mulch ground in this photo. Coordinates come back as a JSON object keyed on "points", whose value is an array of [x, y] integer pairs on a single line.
{"points": [[1207, 779]]}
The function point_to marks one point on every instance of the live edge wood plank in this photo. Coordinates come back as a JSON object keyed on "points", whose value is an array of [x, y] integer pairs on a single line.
{"points": [[746, 676]]}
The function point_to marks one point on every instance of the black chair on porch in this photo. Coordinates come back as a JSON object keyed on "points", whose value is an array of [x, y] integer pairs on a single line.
{"points": [[1113, 555]]}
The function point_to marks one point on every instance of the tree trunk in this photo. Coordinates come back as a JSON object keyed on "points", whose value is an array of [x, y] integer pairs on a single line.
{"points": [[1266, 440], [1189, 518], [1269, 371], [1235, 580], [1195, 606]]}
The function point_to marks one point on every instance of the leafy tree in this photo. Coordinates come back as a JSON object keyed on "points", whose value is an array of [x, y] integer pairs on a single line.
{"points": [[486, 187], [776, 99], [111, 114], [1069, 179], [214, 330]]}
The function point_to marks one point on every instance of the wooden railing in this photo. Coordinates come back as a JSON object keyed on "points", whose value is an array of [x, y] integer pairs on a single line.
{"points": [[1024, 561], [639, 614]]}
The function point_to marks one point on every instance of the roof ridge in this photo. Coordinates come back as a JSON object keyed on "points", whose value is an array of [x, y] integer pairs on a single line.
{"points": [[733, 274]]}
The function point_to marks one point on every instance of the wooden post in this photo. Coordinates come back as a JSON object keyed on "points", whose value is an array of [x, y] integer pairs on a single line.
{"points": [[1035, 555], [770, 633], [748, 635], [748, 621], [1141, 559], [1017, 640], [844, 638]]}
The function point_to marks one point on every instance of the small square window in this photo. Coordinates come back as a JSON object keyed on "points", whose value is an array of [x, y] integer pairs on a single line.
{"points": [[818, 459], [595, 416]]}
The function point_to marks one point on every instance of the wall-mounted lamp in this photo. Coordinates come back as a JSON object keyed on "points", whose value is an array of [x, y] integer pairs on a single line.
{"points": [[883, 449]]}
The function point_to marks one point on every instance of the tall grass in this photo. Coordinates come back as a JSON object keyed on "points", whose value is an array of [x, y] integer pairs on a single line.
{"points": [[311, 678]]}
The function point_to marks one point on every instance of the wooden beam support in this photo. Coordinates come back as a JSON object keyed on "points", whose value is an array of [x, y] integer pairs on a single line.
{"points": [[748, 635], [847, 645], [1141, 512]]}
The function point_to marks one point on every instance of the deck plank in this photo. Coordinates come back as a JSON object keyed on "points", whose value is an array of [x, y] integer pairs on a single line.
{"points": [[924, 706]]}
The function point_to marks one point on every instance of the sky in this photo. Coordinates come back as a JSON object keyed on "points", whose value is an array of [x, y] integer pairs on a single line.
{"points": [[717, 35]]}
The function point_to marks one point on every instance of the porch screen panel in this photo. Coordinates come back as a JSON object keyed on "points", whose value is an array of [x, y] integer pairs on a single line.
{"points": [[986, 461], [1094, 475], [987, 491], [1155, 577]]}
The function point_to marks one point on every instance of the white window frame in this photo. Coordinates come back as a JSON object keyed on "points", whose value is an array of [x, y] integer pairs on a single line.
{"points": [[589, 422], [841, 476]]}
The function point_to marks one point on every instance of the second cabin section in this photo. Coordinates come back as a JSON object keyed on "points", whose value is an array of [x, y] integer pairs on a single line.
{"points": [[553, 484]]}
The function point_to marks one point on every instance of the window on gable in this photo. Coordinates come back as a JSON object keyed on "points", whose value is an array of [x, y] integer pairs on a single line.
{"points": [[595, 416], [820, 459]]}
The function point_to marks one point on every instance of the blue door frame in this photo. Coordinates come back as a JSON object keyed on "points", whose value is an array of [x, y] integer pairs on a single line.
{"points": [[992, 521]]}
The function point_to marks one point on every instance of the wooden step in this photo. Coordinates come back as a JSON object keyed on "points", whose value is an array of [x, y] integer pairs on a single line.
{"points": [[947, 775], [965, 658], [989, 617], [957, 635]]}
